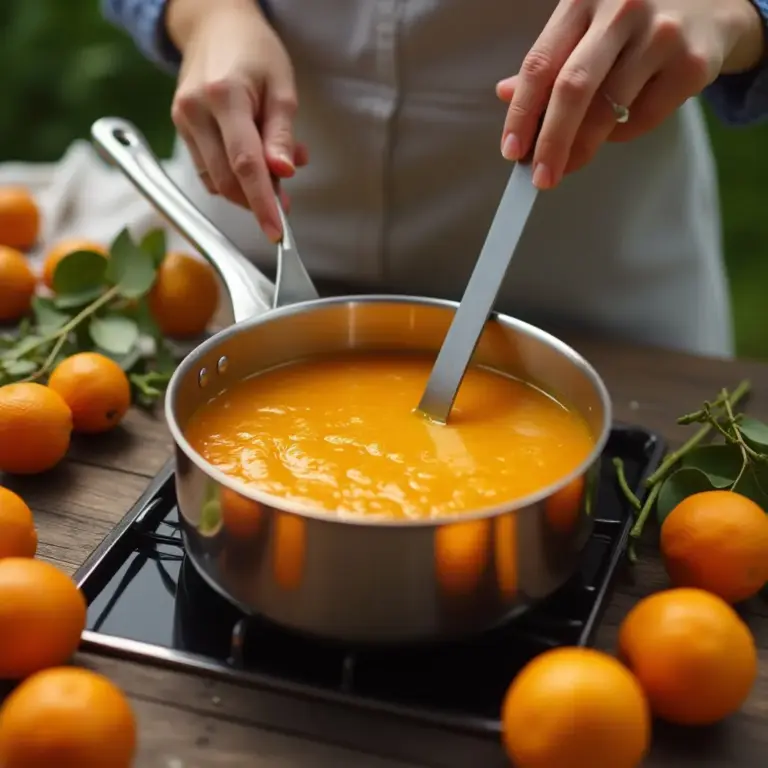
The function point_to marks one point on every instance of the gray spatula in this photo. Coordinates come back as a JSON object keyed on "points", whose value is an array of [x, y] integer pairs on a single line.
{"points": [[480, 295]]}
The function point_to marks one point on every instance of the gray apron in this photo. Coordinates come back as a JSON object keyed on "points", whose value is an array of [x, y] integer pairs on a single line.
{"points": [[397, 106]]}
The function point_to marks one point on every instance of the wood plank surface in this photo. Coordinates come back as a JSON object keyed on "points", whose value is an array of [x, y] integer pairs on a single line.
{"points": [[189, 721]]}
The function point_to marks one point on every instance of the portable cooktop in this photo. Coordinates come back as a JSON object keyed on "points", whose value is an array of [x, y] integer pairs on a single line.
{"points": [[148, 603]]}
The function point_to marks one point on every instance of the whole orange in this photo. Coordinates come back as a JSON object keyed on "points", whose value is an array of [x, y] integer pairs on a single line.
{"points": [[68, 718], [19, 218], [42, 615], [63, 249], [35, 428], [693, 655], [95, 388], [17, 284], [573, 708], [718, 541], [184, 297], [18, 537]]}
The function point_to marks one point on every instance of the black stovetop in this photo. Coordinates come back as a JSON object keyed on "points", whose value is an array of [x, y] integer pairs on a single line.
{"points": [[146, 601]]}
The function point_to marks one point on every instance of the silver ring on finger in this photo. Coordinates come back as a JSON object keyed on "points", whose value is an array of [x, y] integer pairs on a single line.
{"points": [[620, 112]]}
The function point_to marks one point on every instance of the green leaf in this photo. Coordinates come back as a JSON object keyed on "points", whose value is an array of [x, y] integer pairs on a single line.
{"points": [[114, 333], [143, 317], [165, 361], [154, 244], [79, 300], [23, 347], [678, 486], [720, 463], [130, 268], [24, 328], [47, 316], [20, 367], [755, 433], [754, 484], [78, 272], [130, 360]]}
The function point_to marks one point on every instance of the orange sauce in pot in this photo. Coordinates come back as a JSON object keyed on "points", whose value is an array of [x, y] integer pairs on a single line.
{"points": [[341, 435]]}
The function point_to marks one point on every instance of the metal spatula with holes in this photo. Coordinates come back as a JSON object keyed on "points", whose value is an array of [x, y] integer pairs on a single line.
{"points": [[480, 295]]}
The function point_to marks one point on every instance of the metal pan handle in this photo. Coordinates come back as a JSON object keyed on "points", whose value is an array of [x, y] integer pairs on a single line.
{"points": [[122, 144]]}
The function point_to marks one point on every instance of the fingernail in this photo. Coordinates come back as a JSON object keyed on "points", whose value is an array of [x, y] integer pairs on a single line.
{"points": [[510, 149], [542, 176], [273, 234], [284, 157]]}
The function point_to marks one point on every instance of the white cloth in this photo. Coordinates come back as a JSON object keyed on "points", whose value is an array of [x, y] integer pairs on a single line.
{"points": [[82, 197]]}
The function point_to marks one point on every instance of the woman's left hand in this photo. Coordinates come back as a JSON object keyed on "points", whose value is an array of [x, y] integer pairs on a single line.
{"points": [[649, 56]]}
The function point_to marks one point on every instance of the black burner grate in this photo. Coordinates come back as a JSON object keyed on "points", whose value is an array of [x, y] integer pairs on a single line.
{"points": [[146, 601]]}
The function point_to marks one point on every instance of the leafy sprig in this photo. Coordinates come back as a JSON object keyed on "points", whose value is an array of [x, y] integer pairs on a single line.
{"points": [[738, 461], [98, 305]]}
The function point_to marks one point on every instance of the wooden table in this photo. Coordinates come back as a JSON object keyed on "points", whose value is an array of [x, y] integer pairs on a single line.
{"points": [[187, 721]]}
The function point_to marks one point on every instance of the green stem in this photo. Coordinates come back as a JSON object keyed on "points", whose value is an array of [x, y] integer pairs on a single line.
{"points": [[654, 481], [49, 361], [61, 334], [624, 485], [650, 500], [672, 458]]}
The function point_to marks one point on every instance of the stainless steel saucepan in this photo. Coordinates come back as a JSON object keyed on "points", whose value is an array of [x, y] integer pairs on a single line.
{"points": [[360, 581]]}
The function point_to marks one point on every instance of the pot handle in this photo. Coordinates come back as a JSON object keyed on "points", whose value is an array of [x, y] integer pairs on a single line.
{"points": [[122, 144]]}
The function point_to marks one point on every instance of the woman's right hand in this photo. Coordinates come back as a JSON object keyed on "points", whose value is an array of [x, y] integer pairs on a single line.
{"points": [[235, 102]]}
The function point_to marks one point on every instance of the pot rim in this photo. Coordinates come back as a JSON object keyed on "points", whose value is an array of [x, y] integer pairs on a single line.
{"points": [[285, 506]]}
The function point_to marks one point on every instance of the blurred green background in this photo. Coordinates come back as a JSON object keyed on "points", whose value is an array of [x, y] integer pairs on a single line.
{"points": [[63, 66]]}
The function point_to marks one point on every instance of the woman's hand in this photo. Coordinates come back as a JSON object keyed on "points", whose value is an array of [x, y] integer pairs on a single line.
{"points": [[235, 102], [647, 55]]}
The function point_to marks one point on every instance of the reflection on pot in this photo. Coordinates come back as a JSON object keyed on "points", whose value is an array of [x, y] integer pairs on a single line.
{"points": [[210, 512], [563, 508], [241, 517], [288, 550], [505, 551], [461, 555]]}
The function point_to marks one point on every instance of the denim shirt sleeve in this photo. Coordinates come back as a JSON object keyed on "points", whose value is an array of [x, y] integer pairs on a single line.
{"points": [[144, 21], [742, 99]]}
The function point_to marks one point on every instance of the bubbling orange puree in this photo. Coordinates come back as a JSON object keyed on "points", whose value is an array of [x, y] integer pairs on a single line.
{"points": [[341, 435]]}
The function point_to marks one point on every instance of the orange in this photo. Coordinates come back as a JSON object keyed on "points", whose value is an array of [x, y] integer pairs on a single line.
{"points": [[575, 708], [95, 388], [17, 284], [18, 537], [718, 541], [19, 218], [184, 297], [69, 718], [35, 428], [462, 552], [693, 655], [241, 516], [42, 615], [63, 249]]}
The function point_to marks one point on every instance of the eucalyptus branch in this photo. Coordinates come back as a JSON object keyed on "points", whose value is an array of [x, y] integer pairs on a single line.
{"points": [[654, 482], [674, 457]]}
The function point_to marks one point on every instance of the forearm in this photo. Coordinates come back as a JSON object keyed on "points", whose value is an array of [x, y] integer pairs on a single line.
{"points": [[183, 17], [160, 28]]}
